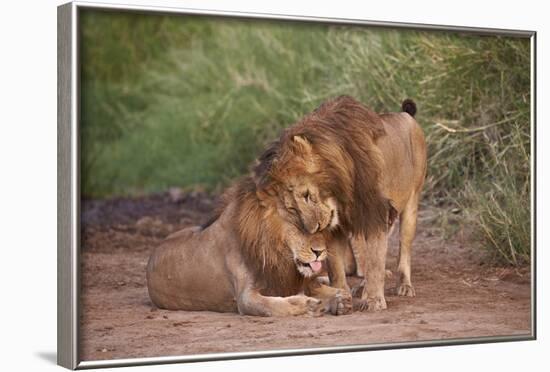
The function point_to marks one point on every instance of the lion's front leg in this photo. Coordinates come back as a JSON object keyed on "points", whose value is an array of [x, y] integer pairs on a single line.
{"points": [[336, 301], [251, 302], [372, 298], [336, 262]]}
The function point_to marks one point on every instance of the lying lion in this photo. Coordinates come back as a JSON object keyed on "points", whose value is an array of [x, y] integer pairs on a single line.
{"points": [[250, 259]]}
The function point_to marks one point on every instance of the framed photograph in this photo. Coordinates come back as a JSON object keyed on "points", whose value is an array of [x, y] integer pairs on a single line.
{"points": [[240, 185]]}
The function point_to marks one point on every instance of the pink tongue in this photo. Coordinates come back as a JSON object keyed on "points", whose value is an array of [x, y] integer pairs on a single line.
{"points": [[315, 265]]}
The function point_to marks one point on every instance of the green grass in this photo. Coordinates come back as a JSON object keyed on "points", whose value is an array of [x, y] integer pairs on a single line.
{"points": [[190, 102]]}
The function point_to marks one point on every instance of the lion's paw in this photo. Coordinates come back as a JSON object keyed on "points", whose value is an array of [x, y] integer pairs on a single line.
{"points": [[406, 290], [314, 307], [376, 304], [370, 304], [340, 304]]}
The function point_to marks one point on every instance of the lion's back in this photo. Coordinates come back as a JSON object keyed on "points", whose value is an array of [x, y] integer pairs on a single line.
{"points": [[405, 157]]}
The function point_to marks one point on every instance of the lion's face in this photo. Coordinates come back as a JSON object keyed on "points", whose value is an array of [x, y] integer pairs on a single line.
{"points": [[308, 251], [308, 206], [297, 178]]}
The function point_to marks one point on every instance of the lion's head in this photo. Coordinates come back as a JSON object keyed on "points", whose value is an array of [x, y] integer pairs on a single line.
{"points": [[309, 207], [296, 179]]}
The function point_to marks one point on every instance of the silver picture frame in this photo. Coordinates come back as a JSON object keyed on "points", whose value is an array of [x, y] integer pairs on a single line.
{"points": [[68, 186]]}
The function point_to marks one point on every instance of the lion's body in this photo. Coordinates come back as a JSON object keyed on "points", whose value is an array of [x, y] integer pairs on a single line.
{"points": [[188, 271], [405, 162], [221, 268]]}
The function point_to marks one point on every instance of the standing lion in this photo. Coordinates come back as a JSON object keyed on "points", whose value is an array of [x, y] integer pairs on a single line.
{"points": [[373, 169]]}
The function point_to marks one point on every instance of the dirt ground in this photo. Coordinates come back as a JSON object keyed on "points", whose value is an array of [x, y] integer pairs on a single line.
{"points": [[457, 294]]}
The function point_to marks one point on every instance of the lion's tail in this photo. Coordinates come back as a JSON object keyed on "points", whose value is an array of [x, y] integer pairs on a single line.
{"points": [[409, 107]]}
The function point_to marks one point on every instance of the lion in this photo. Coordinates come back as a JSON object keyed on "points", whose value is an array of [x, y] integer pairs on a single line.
{"points": [[373, 170], [253, 257]]}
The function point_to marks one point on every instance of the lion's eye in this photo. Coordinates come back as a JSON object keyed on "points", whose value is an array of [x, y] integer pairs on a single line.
{"points": [[293, 210], [306, 196]]}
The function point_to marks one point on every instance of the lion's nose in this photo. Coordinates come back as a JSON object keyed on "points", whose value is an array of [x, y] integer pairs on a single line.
{"points": [[317, 251]]}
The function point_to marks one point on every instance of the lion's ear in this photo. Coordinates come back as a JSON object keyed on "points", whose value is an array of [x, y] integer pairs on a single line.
{"points": [[303, 143]]}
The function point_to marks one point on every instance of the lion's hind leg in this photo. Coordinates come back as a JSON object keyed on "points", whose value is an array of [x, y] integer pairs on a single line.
{"points": [[407, 231]]}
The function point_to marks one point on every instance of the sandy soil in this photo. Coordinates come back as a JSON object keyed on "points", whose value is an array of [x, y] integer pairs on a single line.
{"points": [[457, 295]]}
